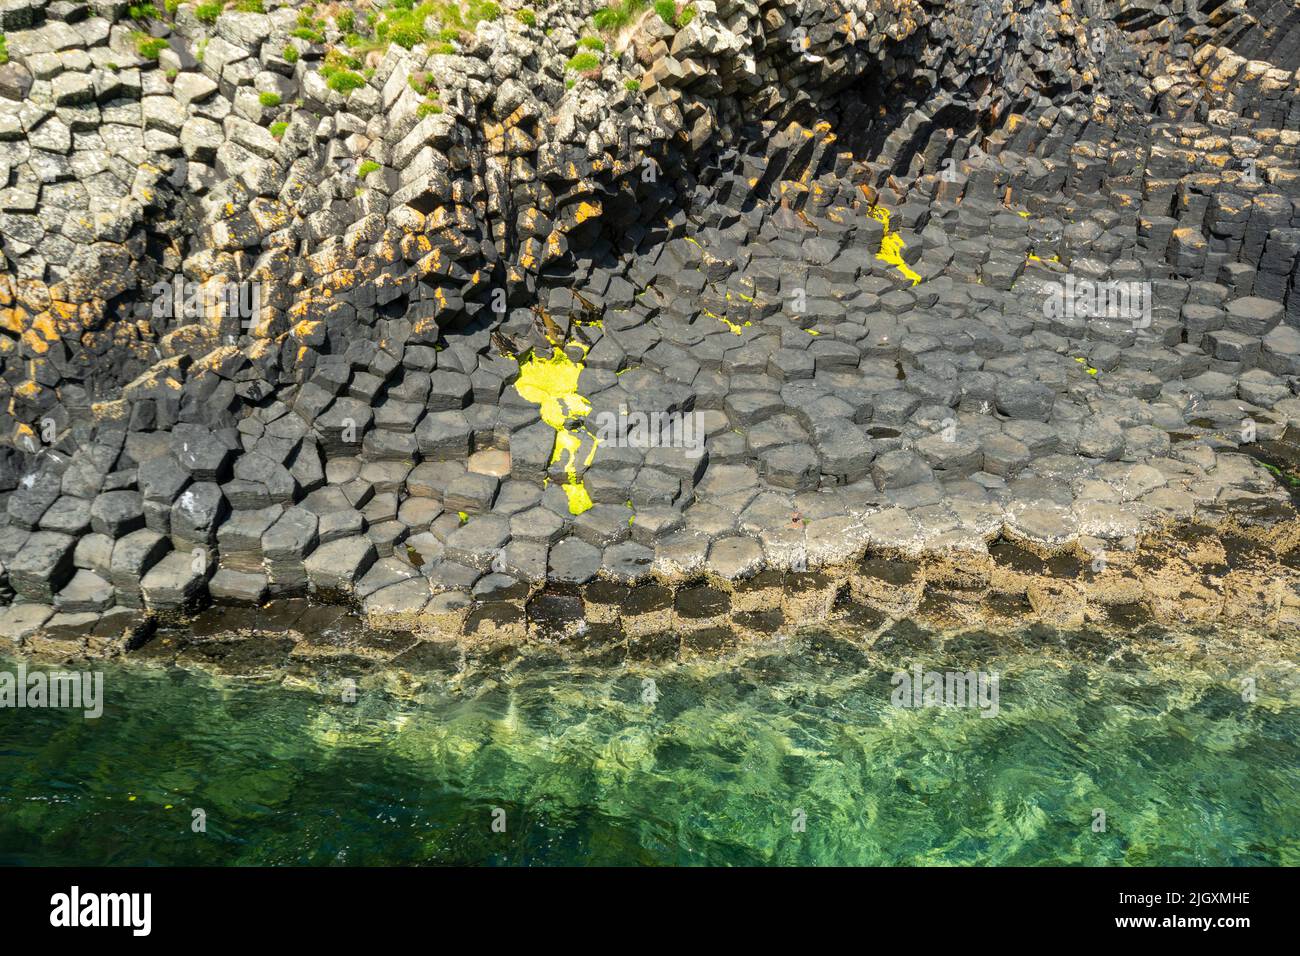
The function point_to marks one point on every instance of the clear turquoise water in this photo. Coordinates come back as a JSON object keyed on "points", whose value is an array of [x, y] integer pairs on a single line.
{"points": [[713, 772]]}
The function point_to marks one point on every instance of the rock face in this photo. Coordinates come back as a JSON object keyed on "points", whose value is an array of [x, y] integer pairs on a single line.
{"points": [[295, 302]]}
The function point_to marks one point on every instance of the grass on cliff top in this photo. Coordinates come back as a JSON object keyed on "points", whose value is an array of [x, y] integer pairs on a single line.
{"points": [[406, 24], [618, 15], [209, 11]]}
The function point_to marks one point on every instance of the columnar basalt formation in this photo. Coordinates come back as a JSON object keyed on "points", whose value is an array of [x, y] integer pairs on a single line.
{"points": [[456, 307]]}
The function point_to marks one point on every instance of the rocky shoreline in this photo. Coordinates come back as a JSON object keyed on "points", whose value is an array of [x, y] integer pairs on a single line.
{"points": [[649, 324], [1187, 581]]}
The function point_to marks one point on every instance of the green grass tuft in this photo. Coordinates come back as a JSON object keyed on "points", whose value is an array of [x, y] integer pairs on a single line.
{"points": [[618, 15], [208, 12], [583, 62], [278, 129], [367, 167], [610, 20], [147, 46], [269, 99], [345, 81], [407, 24], [338, 59]]}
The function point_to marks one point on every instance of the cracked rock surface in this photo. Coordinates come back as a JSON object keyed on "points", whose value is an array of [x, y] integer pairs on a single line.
{"points": [[466, 310]]}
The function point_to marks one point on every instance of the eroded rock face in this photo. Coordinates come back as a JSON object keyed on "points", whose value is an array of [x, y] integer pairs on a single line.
{"points": [[289, 307]]}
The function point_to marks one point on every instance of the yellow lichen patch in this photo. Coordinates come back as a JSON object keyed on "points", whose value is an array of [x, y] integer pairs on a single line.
{"points": [[306, 329], [114, 411], [66, 311], [586, 211], [339, 281], [213, 360], [735, 329], [13, 318], [552, 385], [892, 245], [42, 329]]}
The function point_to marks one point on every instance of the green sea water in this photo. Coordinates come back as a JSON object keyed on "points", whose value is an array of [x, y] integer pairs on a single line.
{"points": [[789, 753]]}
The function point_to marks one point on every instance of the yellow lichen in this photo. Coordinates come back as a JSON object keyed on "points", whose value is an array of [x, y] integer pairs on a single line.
{"points": [[734, 327], [892, 245], [586, 211], [552, 385]]}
